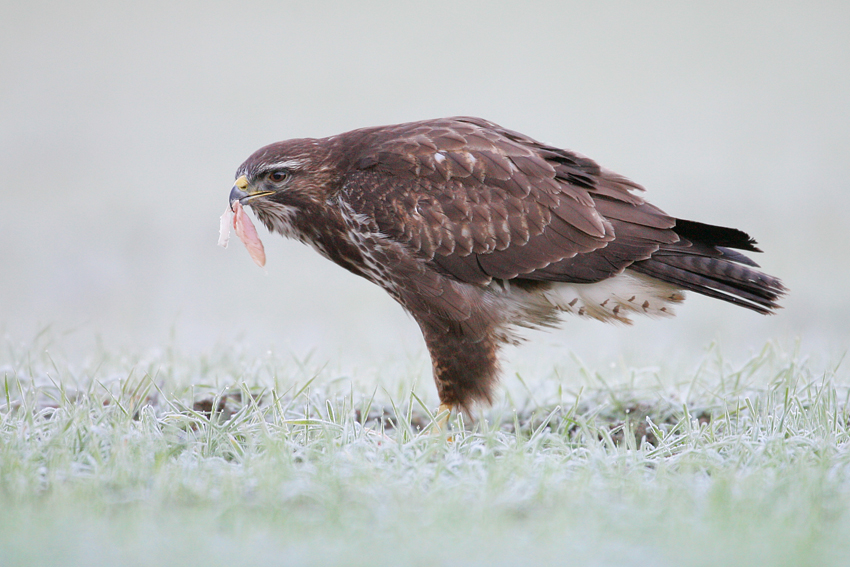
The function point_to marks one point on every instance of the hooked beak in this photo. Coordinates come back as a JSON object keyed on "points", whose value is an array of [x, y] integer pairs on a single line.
{"points": [[241, 192]]}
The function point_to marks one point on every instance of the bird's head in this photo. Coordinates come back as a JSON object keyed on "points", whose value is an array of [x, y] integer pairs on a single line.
{"points": [[282, 181]]}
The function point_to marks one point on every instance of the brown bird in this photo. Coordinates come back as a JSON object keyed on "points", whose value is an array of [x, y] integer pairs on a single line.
{"points": [[477, 230]]}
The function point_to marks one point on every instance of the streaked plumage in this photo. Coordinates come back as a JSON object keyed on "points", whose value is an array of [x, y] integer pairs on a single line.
{"points": [[477, 230]]}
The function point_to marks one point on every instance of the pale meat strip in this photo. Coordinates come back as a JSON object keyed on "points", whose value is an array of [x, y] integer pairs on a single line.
{"points": [[224, 227], [248, 234]]}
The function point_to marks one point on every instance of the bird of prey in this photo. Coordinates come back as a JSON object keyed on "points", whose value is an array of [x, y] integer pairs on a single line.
{"points": [[477, 230]]}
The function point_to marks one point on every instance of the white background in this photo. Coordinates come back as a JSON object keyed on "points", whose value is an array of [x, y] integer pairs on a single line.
{"points": [[121, 125]]}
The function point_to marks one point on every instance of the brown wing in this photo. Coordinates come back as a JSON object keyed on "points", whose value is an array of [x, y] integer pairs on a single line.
{"points": [[480, 202]]}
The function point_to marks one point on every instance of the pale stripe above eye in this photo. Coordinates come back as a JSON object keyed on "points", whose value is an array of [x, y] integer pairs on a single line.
{"points": [[290, 164]]}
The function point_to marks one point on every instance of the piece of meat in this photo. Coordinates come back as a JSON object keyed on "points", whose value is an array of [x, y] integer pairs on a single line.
{"points": [[248, 234], [224, 227]]}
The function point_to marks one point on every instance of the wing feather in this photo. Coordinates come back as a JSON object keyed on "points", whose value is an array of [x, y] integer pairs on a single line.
{"points": [[478, 202]]}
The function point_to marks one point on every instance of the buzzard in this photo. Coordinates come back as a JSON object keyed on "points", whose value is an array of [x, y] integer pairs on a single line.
{"points": [[477, 230]]}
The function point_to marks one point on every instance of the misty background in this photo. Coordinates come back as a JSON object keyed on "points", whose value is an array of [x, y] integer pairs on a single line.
{"points": [[122, 124]]}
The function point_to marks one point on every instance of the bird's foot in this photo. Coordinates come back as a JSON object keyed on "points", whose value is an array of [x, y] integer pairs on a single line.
{"points": [[441, 419]]}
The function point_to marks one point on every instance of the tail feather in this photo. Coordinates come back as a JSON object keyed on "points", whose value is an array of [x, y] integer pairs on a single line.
{"points": [[736, 256], [702, 261]]}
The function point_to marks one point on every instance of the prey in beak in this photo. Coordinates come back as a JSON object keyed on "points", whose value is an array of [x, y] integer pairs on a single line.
{"points": [[234, 216], [242, 193]]}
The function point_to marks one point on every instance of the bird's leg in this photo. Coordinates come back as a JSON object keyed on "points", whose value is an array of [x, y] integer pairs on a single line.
{"points": [[465, 369], [442, 419]]}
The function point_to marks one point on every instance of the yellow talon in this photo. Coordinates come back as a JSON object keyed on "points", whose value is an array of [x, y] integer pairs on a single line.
{"points": [[442, 421]]}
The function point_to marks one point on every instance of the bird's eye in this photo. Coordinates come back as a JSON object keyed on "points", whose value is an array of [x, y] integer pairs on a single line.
{"points": [[279, 176]]}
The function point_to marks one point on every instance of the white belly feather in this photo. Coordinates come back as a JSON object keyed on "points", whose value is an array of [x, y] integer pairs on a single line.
{"points": [[616, 298]]}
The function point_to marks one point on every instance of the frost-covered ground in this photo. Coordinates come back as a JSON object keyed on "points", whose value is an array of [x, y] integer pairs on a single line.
{"points": [[164, 459]]}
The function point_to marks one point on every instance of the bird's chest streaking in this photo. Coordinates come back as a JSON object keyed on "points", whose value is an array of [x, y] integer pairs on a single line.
{"points": [[367, 251]]}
